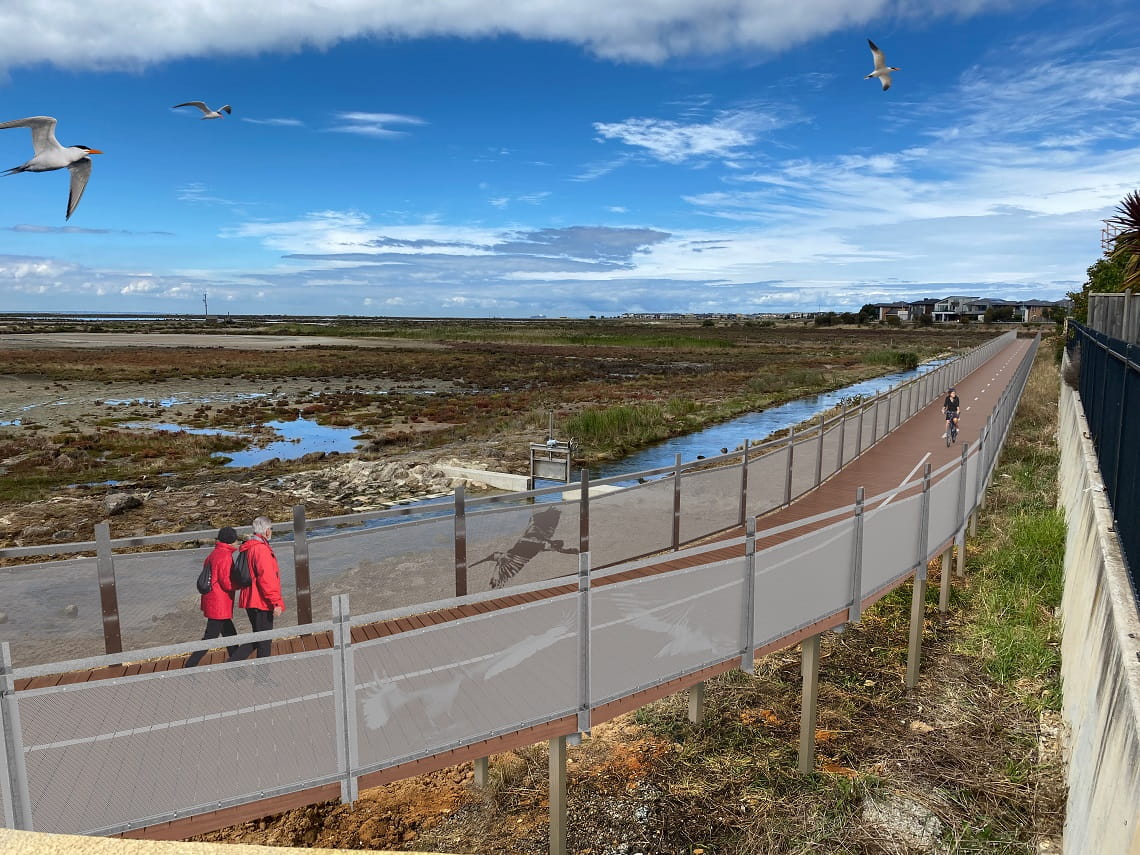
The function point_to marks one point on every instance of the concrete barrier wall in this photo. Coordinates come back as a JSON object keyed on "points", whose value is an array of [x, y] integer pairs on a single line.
{"points": [[1100, 656]]}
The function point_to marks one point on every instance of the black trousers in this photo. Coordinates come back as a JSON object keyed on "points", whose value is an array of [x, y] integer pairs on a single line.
{"points": [[259, 620], [215, 628]]}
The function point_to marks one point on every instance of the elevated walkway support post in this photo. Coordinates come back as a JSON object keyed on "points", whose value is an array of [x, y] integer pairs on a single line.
{"points": [[918, 592], [558, 795], [697, 703], [460, 542], [17, 802], [809, 668], [301, 568], [108, 594], [482, 771], [944, 581], [344, 695]]}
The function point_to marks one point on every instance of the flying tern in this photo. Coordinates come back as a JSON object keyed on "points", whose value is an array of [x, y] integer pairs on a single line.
{"points": [[49, 155], [882, 70], [207, 113]]}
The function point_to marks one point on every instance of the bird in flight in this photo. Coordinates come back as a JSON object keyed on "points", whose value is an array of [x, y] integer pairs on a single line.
{"points": [[882, 70], [207, 113], [49, 155]]}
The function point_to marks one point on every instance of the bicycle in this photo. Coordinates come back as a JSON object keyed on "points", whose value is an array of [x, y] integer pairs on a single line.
{"points": [[951, 430]]}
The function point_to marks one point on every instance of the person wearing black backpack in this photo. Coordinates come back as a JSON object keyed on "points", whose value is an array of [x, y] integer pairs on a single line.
{"points": [[262, 600], [218, 601]]}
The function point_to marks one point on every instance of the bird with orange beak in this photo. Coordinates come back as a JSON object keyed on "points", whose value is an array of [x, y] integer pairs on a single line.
{"points": [[50, 155]]}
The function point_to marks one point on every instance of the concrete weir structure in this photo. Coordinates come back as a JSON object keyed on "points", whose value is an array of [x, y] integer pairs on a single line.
{"points": [[1100, 655]]}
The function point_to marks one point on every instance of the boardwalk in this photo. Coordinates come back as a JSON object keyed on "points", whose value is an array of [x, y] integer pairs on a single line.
{"points": [[894, 461]]}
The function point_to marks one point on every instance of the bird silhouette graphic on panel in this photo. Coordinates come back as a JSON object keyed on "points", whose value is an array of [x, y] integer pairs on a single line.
{"points": [[882, 70], [537, 538], [50, 155], [207, 113]]}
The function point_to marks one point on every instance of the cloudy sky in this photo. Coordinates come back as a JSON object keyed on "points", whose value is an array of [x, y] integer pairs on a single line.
{"points": [[526, 157]]}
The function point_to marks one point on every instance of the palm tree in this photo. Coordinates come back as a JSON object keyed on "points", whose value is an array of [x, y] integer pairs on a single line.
{"points": [[1127, 245]]}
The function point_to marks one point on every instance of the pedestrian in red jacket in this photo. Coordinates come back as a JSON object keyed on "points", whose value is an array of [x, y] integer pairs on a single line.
{"points": [[218, 604], [261, 600]]}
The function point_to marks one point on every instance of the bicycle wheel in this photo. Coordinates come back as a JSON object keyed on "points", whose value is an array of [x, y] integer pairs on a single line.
{"points": [[949, 428]]}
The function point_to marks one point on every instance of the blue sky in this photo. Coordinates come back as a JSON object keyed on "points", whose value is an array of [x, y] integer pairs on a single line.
{"points": [[511, 159]]}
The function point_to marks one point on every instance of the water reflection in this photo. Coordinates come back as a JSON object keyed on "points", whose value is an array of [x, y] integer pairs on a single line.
{"points": [[298, 438]]}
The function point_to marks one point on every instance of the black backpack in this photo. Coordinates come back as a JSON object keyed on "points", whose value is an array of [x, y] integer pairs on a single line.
{"points": [[240, 576], [206, 577]]}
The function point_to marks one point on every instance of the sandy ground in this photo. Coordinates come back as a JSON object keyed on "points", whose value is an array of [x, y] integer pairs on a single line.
{"points": [[237, 342]]}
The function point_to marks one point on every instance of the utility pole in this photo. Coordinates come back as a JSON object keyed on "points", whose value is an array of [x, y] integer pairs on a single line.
{"points": [[205, 306]]}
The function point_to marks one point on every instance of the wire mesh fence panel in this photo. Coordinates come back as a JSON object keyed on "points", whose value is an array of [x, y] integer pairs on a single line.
{"points": [[944, 510], [646, 631], [515, 545], [53, 611], [631, 522], [384, 568], [804, 465], [802, 580], [710, 501], [453, 683], [766, 482], [890, 540], [107, 755]]}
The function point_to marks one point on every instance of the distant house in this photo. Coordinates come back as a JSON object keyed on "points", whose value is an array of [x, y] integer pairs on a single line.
{"points": [[893, 310], [918, 308]]}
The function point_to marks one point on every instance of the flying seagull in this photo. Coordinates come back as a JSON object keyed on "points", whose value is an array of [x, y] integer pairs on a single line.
{"points": [[207, 113], [51, 155], [882, 70]]}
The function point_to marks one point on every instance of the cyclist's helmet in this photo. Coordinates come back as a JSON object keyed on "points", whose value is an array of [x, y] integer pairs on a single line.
{"points": [[951, 389]]}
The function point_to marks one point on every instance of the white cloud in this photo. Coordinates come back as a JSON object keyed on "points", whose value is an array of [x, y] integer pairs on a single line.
{"points": [[279, 123], [81, 34], [674, 142], [373, 124]]}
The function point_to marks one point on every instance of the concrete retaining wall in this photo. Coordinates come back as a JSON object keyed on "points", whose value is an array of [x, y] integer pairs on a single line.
{"points": [[1100, 656]]}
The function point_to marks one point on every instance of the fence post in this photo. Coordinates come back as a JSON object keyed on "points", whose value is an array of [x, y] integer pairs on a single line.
{"points": [[584, 514], [875, 421], [17, 803], [819, 452], [961, 571], [918, 592], [1120, 421], [460, 543], [584, 642], [697, 703], [856, 609], [791, 457], [944, 581], [344, 696], [108, 595], [743, 485], [557, 799], [842, 434], [809, 668], [748, 613], [677, 504], [859, 430], [301, 567]]}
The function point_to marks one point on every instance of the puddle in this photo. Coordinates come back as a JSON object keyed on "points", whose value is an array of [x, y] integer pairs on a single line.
{"points": [[170, 427], [299, 437]]}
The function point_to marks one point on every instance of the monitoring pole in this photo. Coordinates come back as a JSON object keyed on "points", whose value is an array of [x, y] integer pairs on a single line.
{"points": [[205, 306]]}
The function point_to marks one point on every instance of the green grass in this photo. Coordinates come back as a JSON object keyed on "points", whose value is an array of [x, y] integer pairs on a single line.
{"points": [[900, 358]]}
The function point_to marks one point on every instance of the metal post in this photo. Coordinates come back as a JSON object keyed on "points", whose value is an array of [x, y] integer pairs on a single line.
{"points": [[856, 609], [344, 698], [584, 514], [108, 595], [875, 421], [944, 582], [677, 504], [697, 703], [460, 543], [842, 434], [17, 802], [809, 668], [558, 795], [819, 452], [743, 485], [859, 430], [962, 510], [748, 612], [301, 567], [918, 592], [584, 642], [791, 457], [1120, 423], [482, 771]]}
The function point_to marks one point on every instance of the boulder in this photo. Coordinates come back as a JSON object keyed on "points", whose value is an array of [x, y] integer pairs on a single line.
{"points": [[117, 503]]}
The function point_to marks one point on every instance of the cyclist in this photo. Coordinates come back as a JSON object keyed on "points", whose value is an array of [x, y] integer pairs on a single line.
{"points": [[950, 407]]}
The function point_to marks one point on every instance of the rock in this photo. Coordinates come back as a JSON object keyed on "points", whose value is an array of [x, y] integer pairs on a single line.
{"points": [[35, 532], [117, 503], [917, 726], [904, 819], [71, 610]]}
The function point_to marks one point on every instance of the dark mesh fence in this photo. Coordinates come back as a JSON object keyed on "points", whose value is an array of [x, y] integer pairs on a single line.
{"points": [[1110, 391]]}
